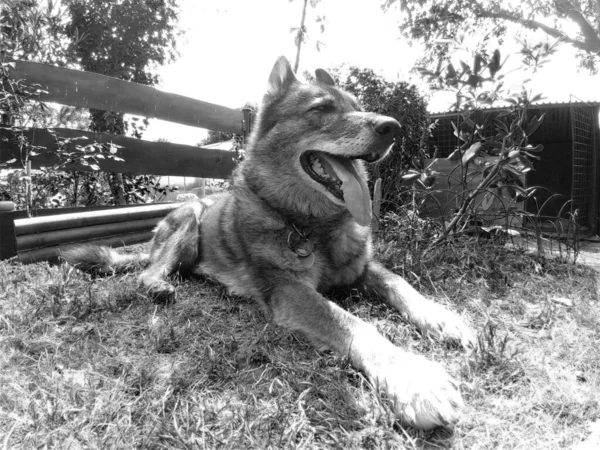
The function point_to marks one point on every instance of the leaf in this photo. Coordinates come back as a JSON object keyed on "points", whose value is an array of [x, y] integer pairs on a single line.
{"points": [[529, 155], [500, 126], [426, 180], [537, 148], [534, 124], [536, 97], [469, 122], [411, 176], [474, 80], [450, 71], [519, 166], [472, 152], [477, 64], [494, 64], [454, 156]]}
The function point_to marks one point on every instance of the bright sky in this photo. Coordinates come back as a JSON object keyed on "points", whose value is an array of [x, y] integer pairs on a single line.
{"points": [[231, 45]]}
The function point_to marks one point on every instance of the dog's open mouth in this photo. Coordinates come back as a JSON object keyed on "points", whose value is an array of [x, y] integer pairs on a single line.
{"points": [[340, 177]]}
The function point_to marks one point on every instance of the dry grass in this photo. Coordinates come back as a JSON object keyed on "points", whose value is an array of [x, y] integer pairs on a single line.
{"points": [[94, 364]]}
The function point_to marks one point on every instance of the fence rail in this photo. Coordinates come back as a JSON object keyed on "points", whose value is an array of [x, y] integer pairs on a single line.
{"points": [[44, 237], [91, 90], [140, 157]]}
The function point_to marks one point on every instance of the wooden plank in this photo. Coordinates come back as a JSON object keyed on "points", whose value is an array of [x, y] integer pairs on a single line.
{"points": [[84, 234], [52, 254], [84, 219], [91, 90], [141, 157]]}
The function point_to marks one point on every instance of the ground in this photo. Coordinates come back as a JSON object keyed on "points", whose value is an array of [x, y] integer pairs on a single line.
{"points": [[92, 363]]}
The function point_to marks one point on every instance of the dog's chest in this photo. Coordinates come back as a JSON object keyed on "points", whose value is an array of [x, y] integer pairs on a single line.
{"points": [[344, 252]]}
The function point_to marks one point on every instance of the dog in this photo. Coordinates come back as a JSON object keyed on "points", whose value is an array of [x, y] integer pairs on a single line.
{"points": [[296, 224]]}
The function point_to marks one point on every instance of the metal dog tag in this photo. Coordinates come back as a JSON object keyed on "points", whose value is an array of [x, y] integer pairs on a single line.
{"points": [[307, 261], [304, 248]]}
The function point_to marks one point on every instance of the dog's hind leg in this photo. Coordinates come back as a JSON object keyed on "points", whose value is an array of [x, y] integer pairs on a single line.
{"points": [[430, 317], [175, 248]]}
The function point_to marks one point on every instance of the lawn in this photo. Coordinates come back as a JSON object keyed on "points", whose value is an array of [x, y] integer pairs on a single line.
{"points": [[94, 364]]}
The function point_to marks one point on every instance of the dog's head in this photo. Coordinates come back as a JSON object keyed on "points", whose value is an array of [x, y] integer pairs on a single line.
{"points": [[309, 145]]}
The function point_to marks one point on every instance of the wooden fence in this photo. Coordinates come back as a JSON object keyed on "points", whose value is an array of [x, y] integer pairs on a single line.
{"points": [[43, 236]]}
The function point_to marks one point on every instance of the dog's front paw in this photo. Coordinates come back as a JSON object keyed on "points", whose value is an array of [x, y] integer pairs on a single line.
{"points": [[442, 323], [422, 393]]}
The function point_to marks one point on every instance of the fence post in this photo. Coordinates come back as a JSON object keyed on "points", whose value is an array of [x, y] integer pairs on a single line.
{"points": [[247, 123], [8, 241]]}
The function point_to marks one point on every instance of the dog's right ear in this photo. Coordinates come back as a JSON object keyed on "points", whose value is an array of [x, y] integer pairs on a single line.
{"points": [[322, 76], [281, 78]]}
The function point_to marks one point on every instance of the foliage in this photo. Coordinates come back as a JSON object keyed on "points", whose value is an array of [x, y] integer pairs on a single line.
{"points": [[403, 102], [34, 31], [125, 40], [498, 151], [33, 190], [121, 39], [434, 24]]}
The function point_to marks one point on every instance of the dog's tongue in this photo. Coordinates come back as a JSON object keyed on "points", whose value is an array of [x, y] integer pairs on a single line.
{"points": [[354, 187]]}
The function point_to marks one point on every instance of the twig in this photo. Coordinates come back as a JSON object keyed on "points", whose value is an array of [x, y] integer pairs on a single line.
{"points": [[467, 201]]}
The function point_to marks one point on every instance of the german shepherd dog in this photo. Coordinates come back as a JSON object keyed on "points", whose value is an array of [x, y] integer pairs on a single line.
{"points": [[296, 224]]}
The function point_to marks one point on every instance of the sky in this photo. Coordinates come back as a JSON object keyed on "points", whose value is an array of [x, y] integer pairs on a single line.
{"points": [[230, 46]]}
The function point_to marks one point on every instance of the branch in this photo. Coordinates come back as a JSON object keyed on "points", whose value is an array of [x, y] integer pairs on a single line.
{"points": [[598, 15], [589, 34], [301, 37], [483, 185], [590, 44]]}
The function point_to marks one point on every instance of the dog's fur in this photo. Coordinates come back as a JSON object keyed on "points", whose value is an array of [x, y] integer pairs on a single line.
{"points": [[254, 240]]}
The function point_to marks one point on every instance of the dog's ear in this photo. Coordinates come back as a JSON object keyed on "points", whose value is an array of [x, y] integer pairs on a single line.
{"points": [[281, 78], [323, 77]]}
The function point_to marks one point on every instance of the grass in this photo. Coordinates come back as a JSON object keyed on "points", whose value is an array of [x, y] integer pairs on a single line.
{"points": [[92, 363]]}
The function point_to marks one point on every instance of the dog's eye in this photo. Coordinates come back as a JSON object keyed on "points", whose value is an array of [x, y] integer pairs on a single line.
{"points": [[323, 107]]}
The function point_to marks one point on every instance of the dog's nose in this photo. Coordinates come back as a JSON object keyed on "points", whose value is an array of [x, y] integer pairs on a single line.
{"points": [[386, 126]]}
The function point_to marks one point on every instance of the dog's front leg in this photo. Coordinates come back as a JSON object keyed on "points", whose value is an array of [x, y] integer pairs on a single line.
{"points": [[423, 395], [430, 317]]}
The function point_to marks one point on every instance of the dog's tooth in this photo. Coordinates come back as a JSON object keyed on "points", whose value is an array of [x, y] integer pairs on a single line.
{"points": [[318, 168]]}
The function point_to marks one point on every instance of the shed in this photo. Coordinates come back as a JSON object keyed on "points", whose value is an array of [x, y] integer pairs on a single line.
{"points": [[569, 168]]}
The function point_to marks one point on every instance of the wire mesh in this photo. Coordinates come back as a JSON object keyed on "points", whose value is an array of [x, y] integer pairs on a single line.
{"points": [[582, 121]]}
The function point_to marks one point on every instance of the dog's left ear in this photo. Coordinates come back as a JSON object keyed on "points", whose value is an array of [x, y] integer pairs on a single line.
{"points": [[281, 78], [323, 77]]}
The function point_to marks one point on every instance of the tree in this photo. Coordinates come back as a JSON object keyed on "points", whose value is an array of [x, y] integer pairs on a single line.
{"points": [[575, 22], [125, 40], [32, 31], [403, 102]]}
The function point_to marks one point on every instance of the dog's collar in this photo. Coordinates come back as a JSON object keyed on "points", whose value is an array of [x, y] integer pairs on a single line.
{"points": [[298, 241]]}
